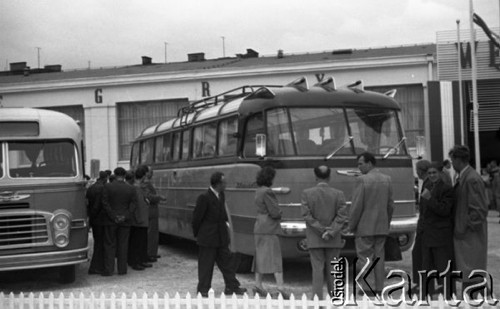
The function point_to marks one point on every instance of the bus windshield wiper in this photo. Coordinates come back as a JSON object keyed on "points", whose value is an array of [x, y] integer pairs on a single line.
{"points": [[328, 157], [394, 148]]}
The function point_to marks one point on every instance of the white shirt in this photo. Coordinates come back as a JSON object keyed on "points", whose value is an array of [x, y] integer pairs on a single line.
{"points": [[215, 192]]}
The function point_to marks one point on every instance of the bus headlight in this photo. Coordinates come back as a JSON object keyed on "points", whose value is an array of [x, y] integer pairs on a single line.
{"points": [[61, 223], [61, 240]]}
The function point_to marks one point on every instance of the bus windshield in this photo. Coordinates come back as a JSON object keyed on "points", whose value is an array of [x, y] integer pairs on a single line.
{"points": [[41, 159], [321, 131]]}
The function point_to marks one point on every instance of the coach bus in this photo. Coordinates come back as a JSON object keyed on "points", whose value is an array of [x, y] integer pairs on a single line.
{"points": [[292, 128], [43, 217]]}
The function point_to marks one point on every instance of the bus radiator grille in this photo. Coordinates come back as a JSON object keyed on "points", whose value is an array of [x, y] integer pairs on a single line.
{"points": [[22, 231]]}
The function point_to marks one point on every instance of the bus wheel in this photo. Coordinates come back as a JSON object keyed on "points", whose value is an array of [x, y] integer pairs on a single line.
{"points": [[67, 274], [243, 263]]}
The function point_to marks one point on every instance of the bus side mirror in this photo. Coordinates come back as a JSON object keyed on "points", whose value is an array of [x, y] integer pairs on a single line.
{"points": [[260, 145]]}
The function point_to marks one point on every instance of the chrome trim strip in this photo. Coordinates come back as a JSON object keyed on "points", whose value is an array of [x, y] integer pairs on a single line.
{"points": [[347, 202]]}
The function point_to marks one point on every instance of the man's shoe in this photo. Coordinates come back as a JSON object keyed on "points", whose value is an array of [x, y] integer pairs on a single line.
{"points": [[152, 259], [94, 272], [237, 291], [203, 294], [259, 291], [122, 274], [137, 267], [284, 294], [146, 265]]}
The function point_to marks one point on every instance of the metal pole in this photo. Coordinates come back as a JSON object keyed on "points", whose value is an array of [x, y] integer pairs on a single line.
{"points": [[223, 48], [38, 55], [474, 90], [165, 51], [461, 101]]}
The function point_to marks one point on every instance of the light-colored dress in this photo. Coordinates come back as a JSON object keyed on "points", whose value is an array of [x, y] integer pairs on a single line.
{"points": [[266, 230]]}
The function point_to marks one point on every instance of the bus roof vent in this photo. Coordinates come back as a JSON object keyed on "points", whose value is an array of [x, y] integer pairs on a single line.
{"points": [[357, 86], [300, 84], [327, 84], [262, 93], [391, 93]]}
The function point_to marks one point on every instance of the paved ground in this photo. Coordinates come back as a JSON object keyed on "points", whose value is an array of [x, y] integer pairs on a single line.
{"points": [[176, 271]]}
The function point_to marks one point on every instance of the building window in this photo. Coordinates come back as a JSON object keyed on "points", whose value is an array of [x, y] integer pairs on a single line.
{"points": [[134, 117]]}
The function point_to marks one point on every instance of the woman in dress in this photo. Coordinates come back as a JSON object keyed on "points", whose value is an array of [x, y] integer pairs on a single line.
{"points": [[266, 230]]}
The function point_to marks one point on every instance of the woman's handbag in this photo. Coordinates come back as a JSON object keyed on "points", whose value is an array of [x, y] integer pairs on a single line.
{"points": [[392, 249]]}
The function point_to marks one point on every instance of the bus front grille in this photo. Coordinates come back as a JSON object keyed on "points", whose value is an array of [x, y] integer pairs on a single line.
{"points": [[24, 231]]}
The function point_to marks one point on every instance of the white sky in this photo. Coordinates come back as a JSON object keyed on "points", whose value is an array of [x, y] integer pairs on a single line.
{"points": [[117, 33]]}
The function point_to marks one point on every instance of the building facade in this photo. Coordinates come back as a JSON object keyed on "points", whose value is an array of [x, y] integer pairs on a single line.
{"points": [[451, 114]]}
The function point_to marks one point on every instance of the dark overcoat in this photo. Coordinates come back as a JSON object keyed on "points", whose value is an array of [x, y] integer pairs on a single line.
{"points": [[210, 220]]}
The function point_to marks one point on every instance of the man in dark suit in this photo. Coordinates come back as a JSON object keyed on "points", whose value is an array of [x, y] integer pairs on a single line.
{"points": [[97, 218], [119, 201], [325, 212], [210, 227], [153, 229], [371, 213]]}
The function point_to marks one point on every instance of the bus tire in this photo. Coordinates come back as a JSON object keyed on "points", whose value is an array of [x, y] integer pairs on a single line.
{"points": [[243, 263], [67, 274]]}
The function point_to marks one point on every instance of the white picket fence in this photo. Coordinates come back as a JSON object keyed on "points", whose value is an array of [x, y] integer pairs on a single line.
{"points": [[102, 301]]}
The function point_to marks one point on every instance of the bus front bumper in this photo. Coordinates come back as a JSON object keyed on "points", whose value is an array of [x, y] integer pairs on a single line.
{"points": [[402, 228], [43, 259]]}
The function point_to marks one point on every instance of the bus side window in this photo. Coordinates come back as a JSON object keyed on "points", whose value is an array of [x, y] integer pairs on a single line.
{"points": [[176, 149], [162, 148], [147, 148], [227, 141], [279, 137], [204, 140], [254, 126], [135, 154], [186, 139]]}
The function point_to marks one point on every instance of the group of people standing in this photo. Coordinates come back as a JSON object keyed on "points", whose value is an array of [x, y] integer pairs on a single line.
{"points": [[326, 215], [452, 228], [123, 215], [451, 231]]}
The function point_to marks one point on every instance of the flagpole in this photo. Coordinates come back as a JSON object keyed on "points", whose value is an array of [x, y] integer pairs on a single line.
{"points": [[475, 103], [460, 94]]}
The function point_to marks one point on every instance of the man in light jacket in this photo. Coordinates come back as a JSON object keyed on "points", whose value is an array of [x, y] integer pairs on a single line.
{"points": [[370, 218], [325, 212]]}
